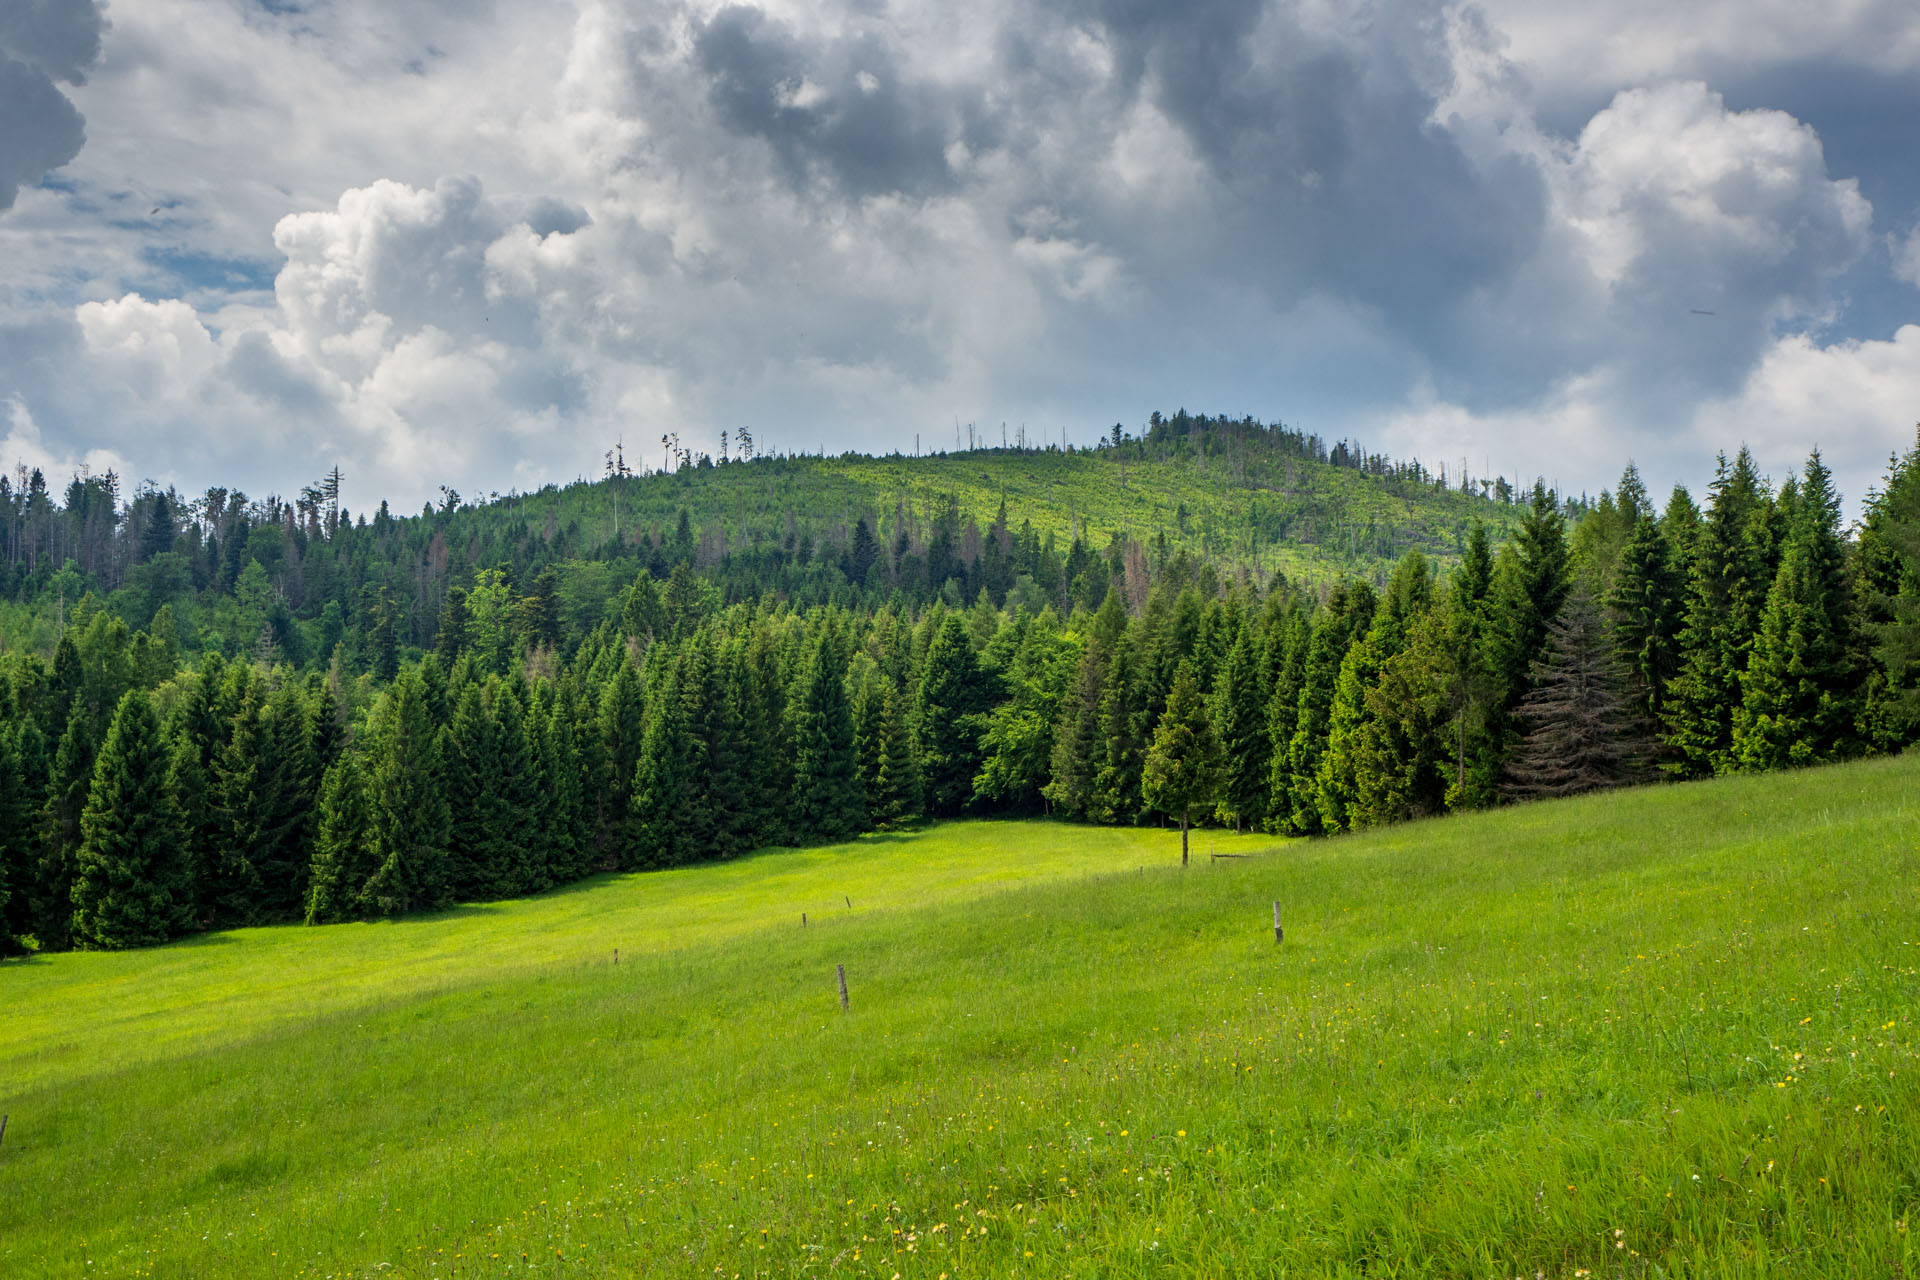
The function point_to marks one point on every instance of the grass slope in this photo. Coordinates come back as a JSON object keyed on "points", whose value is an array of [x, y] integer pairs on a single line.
{"points": [[1256, 507], [1664, 1032]]}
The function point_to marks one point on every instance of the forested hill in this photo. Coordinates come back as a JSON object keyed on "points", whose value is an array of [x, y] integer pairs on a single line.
{"points": [[1033, 522], [698, 693]]}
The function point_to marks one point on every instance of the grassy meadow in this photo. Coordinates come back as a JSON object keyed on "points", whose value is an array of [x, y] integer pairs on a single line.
{"points": [[1668, 1032]]}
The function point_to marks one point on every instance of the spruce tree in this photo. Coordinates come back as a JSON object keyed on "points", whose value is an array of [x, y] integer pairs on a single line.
{"points": [[1240, 723], [451, 638], [869, 730], [19, 854], [1339, 780], [70, 776], [523, 797], [1183, 766], [478, 850], [244, 800], [1123, 727], [1472, 688], [1289, 637], [1889, 589], [1078, 747], [1646, 608], [768, 757], [343, 853], [663, 780], [1800, 702], [1731, 570], [291, 784], [896, 796], [1349, 610], [1402, 749], [953, 699], [130, 888], [1581, 732], [622, 724], [191, 788], [406, 800], [569, 850], [827, 802]]}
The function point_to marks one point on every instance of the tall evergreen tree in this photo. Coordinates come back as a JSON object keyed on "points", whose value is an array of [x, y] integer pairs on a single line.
{"points": [[1240, 723], [406, 798], [19, 852], [827, 802], [1732, 568], [1646, 609], [895, 796], [70, 777], [1889, 589], [1341, 778], [1183, 768], [1289, 638], [1800, 695], [131, 887], [247, 807], [343, 854], [622, 725], [1582, 734], [1471, 683], [1124, 728], [664, 779], [1348, 612], [953, 698], [1078, 747]]}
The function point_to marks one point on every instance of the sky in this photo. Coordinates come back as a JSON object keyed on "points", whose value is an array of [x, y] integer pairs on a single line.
{"points": [[475, 243]]}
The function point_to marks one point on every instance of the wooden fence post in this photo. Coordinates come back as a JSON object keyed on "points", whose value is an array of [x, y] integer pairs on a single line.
{"points": [[840, 971], [1277, 935]]}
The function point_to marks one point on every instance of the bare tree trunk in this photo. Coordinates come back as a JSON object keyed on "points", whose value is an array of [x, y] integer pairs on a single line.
{"points": [[1183, 835]]}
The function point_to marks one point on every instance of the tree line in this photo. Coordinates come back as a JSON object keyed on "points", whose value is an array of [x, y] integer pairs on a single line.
{"points": [[144, 796]]}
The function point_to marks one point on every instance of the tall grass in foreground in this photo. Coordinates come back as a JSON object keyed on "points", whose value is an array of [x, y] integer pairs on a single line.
{"points": [[1657, 1033]]}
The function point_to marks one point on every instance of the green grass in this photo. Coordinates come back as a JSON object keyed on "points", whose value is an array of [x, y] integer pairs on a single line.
{"points": [[1661, 1033]]}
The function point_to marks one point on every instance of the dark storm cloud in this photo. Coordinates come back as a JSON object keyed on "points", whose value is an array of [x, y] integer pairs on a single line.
{"points": [[42, 42], [834, 109], [1322, 171]]}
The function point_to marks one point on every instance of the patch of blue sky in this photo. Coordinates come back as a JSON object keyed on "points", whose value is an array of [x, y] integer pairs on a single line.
{"points": [[194, 271]]}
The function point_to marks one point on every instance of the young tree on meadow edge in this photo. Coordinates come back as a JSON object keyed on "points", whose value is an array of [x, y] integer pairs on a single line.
{"points": [[1582, 732], [1183, 767], [130, 888]]}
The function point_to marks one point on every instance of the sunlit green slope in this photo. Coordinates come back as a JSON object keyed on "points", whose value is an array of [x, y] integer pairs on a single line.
{"points": [[1665, 1032]]}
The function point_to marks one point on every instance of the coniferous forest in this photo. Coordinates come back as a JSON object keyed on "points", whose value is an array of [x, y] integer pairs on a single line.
{"points": [[251, 712]]}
